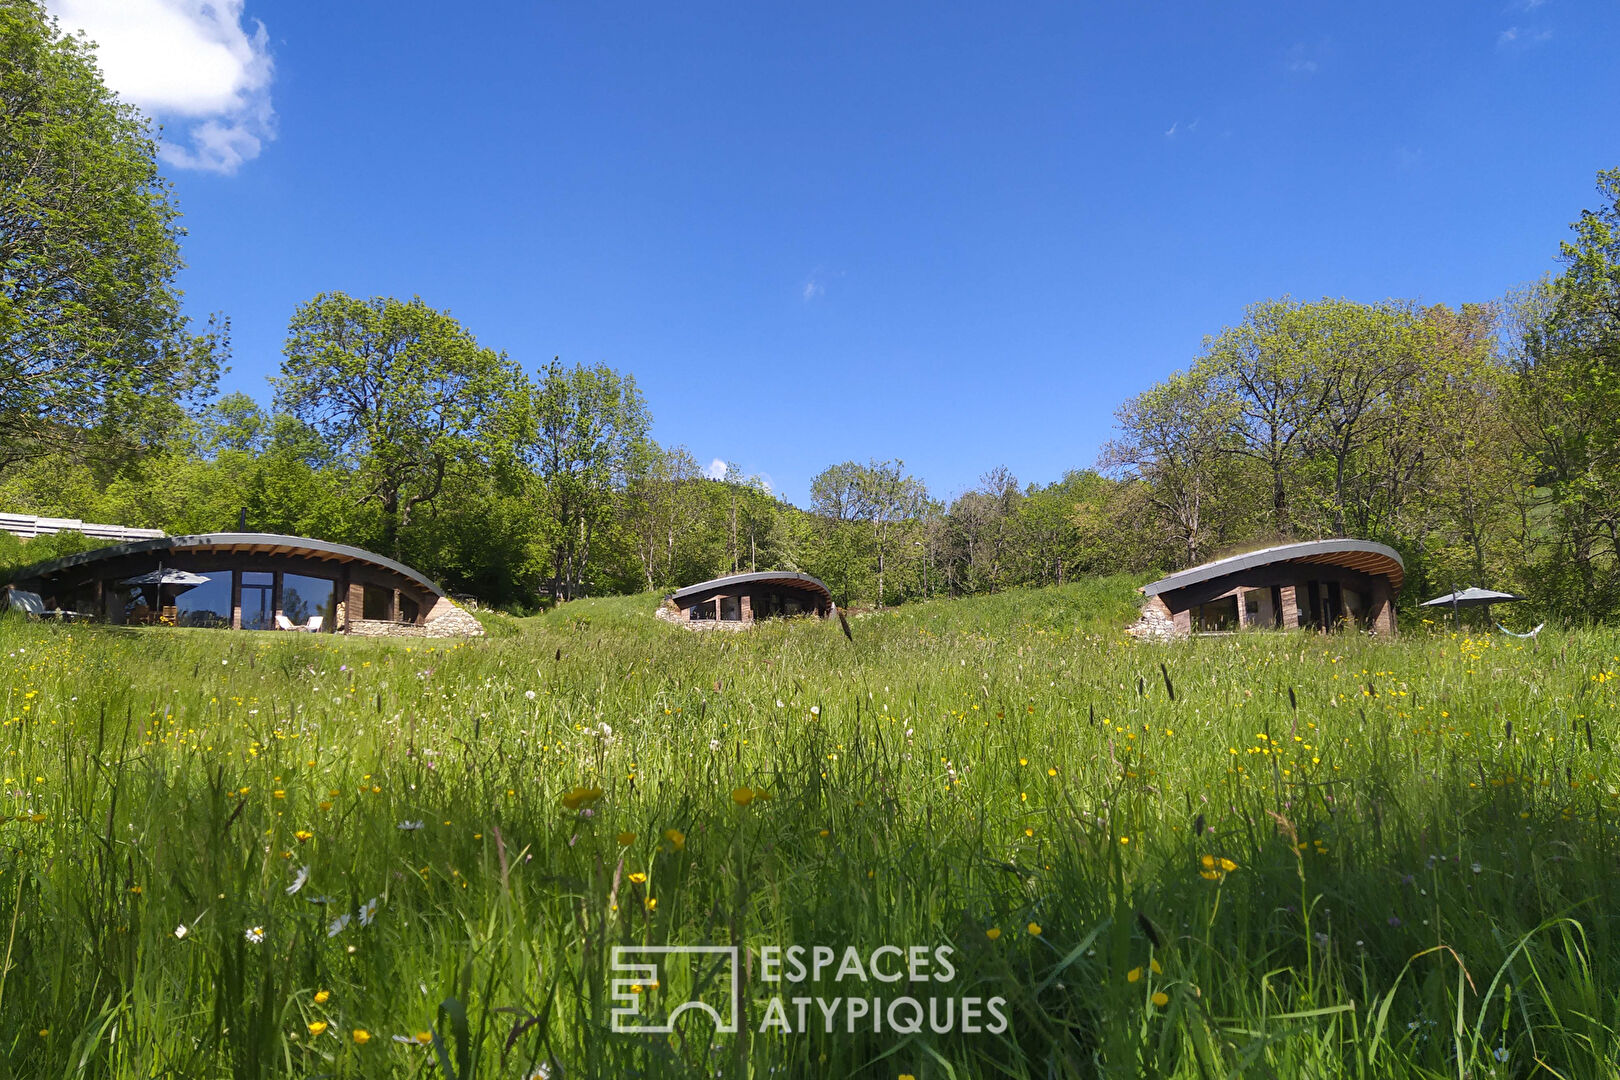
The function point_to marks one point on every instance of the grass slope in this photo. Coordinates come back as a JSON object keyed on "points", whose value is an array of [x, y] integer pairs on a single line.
{"points": [[1269, 855]]}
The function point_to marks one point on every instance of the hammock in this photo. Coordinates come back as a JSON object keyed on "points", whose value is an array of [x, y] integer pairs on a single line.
{"points": [[1510, 633]]}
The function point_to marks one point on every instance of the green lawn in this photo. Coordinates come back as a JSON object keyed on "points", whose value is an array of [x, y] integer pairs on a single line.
{"points": [[1389, 881]]}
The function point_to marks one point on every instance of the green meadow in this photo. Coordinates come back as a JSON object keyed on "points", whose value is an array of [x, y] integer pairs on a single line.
{"points": [[1274, 854]]}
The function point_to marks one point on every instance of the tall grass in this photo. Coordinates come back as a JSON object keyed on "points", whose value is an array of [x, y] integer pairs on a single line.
{"points": [[1389, 880]]}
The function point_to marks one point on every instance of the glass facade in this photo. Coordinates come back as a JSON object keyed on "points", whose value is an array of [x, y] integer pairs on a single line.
{"points": [[304, 598], [209, 604]]}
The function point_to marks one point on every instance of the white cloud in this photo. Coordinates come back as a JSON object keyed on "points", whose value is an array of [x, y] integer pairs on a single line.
{"points": [[1515, 37], [192, 63], [1299, 60], [716, 470], [813, 289]]}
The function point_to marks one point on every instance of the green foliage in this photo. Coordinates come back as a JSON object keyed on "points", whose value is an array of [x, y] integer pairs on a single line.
{"points": [[402, 394], [1421, 834], [16, 553], [587, 434], [95, 355]]}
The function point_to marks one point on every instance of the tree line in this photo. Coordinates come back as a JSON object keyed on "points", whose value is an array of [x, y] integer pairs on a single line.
{"points": [[1482, 441]]}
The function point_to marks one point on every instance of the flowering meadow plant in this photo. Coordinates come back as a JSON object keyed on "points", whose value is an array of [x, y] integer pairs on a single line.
{"points": [[234, 854]]}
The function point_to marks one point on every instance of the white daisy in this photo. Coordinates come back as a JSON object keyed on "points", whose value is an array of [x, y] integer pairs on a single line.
{"points": [[368, 911], [338, 925], [298, 880], [254, 934]]}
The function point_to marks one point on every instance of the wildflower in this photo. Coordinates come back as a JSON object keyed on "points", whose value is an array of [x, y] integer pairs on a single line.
{"points": [[1133, 975], [322, 996], [361, 1036], [409, 826], [625, 839], [762, 795], [278, 794], [1157, 970], [424, 1037], [1228, 865], [338, 925], [652, 903], [180, 931], [368, 911], [317, 1027], [638, 878], [529, 694], [581, 796], [303, 836], [136, 889], [742, 796], [676, 838], [815, 710], [993, 933], [1160, 998], [1500, 1053], [1034, 929], [298, 880]]}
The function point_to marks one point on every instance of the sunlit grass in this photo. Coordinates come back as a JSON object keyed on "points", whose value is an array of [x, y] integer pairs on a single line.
{"points": [[1389, 880]]}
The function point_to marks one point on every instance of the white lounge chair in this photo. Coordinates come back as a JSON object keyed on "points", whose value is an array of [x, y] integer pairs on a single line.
{"points": [[315, 623], [284, 623]]}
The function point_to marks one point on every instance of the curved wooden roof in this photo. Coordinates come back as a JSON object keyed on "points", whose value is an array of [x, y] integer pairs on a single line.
{"points": [[787, 578], [232, 544], [1363, 556]]}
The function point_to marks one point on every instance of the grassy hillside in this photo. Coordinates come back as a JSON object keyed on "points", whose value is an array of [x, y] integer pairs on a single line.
{"points": [[1274, 854]]}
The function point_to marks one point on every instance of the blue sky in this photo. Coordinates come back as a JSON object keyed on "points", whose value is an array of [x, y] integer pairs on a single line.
{"points": [[957, 235]]}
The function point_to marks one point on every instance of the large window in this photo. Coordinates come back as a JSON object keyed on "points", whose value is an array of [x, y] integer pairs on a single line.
{"points": [[305, 598], [1216, 616], [377, 603], [258, 609], [209, 604]]}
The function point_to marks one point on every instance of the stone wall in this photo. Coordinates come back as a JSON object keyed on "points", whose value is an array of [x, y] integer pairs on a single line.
{"points": [[1156, 623], [445, 620]]}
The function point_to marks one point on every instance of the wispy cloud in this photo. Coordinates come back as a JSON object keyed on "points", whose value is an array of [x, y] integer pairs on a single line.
{"points": [[715, 470], [1527, 5], [1178, 128], [195, 64], [1515, 37], [1299, 61], [813, 289]]}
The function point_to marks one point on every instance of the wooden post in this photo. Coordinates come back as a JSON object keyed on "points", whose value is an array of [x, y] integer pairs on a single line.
{"points": [[236, 599], [1290, 608], [355, 606], [275, 600]]}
